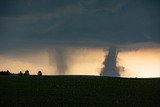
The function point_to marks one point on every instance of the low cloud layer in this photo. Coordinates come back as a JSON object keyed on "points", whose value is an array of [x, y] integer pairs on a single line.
{"points": [[47, 23]]}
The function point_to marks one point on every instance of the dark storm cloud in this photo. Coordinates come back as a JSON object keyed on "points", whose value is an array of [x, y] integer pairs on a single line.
{"points": [[45, 23]]}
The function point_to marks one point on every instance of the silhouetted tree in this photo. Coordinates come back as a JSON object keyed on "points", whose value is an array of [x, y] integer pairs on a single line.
{"points": [[39, 73], [5, 72], [8, 73], [26, 72], [20, 73], [2, 73]]}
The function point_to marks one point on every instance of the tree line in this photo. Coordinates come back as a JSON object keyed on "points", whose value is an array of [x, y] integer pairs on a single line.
{"points": [[26, 73]]}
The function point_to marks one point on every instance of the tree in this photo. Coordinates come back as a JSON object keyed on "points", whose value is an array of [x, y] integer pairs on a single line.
{"points": [[26, 72], [20, 73], [8, 73], [39, 73], [2, 73], [5, 72]]}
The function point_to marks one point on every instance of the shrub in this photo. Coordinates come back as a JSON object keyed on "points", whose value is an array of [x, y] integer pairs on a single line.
{"points": [[39, 73], [26, 73], [20, 73]]}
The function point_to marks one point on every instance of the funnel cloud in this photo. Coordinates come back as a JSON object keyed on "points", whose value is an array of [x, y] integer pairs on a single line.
{"points": [[58, 56], [110, 68]]}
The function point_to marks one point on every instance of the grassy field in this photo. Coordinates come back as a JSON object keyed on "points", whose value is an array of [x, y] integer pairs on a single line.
{"points": [[78, 91]]}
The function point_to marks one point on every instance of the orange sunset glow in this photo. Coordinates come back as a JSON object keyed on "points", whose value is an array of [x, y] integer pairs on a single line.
{"points": [[140, 63], [144, 62]]}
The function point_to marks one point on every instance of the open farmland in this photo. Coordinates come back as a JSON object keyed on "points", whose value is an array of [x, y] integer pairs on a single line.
{"points": [[78, 91]]}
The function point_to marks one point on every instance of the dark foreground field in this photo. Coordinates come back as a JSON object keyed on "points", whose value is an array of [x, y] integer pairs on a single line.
{"points": [[78, 91]]}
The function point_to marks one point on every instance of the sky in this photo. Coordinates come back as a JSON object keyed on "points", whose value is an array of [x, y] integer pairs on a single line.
{"points": [[51, 34]]}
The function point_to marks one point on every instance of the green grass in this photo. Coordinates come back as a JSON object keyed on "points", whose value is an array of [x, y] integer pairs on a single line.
{"points": [[78, 91]]}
